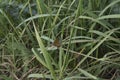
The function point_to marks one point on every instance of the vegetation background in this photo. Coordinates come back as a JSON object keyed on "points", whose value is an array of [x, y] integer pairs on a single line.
{"points": [[59, 39]]}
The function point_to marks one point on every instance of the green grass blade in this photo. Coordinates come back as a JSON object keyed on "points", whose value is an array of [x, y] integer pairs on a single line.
{"points": [[45, 54], [87, 74]]}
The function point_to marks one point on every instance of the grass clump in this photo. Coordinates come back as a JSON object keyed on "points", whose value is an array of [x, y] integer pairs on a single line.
{"points": [[60, 40]]}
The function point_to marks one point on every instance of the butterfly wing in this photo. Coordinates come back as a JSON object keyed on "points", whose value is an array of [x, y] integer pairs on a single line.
{"points": [[56, 43]]}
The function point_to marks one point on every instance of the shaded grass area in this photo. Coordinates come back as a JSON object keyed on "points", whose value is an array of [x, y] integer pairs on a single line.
{"points": [[60, 40]]}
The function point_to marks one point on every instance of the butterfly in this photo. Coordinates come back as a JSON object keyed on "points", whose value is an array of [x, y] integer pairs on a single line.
{"points": [[56, 43]]}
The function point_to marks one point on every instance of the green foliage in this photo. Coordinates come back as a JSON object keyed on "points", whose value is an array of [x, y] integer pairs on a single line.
{"points": [[88, 32]]}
